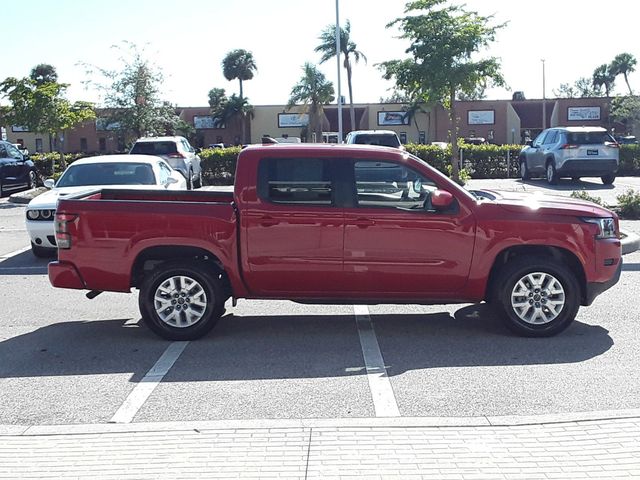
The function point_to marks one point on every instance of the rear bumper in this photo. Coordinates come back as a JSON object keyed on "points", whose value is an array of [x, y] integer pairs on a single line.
{"points": [[596, 288], [590, 167], [65, 275]]}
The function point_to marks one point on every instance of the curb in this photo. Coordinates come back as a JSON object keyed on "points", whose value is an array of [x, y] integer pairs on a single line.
{"points": [[395, 422], [25, 197], [630, 242]]}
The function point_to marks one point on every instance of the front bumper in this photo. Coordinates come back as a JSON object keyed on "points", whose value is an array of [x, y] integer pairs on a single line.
{"points": [[65, 275], [42, 233], [594, 289]]}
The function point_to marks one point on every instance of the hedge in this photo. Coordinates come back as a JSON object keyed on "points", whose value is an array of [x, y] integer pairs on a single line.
{"points": [[480, 161]]}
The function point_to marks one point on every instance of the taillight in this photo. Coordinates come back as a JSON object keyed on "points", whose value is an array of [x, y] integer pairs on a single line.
{"points": [[568, 146], [612, 144], [63, 237], [176, 155]]}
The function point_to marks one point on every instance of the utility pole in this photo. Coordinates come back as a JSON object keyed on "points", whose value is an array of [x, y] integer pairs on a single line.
{"points": [[338, 61], [544, 98]]}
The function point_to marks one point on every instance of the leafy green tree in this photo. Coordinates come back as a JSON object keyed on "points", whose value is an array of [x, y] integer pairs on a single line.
{"points": [[240, 64], [581, 88], [348, 49], [131, 96], [313, 91], [38, 103], [623, 64], [443, 64], [626, 110], [604, 77]]}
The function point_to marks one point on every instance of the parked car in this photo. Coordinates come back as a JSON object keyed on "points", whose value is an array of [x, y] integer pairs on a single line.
{"points": [[17, 171], [114, 171], [627, 140], [385, 138], [337, 224], [177, 152], [571, 152]]}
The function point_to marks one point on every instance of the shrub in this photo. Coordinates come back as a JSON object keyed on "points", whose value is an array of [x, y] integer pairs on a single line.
{"points": [[629, 160], [219, 165], [582, 195], [629, 204]]}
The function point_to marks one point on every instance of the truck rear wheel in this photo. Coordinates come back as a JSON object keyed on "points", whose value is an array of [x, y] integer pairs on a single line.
{"points": [[539, 297], [181, 300]]}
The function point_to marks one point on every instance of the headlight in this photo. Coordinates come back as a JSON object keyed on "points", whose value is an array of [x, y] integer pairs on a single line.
{"points": [[33, 214], [606, 227]]}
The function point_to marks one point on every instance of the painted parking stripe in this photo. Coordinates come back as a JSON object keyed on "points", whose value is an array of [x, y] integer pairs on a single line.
{"points": [[384, 401], [14, 253], [147, 385]]}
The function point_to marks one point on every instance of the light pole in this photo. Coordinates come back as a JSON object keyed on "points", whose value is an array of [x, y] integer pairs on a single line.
{"points": [[338, 61], [544, 99]]}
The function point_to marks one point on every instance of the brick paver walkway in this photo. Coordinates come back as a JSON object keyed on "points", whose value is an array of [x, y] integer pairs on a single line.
{"points": [[603, 449]]}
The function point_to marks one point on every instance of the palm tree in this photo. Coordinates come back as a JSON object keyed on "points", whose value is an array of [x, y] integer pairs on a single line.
{"points": [[415, 106], [624, 64], [224, 110], [604, 77], [239, 64], [44, 73], [313, 91], [347, 48]]}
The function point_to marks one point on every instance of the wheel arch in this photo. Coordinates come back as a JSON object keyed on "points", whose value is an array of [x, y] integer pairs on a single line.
{"points": [[555, 253], [150, 258]]}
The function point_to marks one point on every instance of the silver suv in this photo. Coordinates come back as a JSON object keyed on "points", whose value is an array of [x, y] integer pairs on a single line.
{"points": [[177, 152], [571, 152]]}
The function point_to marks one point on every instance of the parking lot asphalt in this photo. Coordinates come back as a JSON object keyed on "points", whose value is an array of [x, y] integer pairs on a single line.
{"points": [[68, 361]]}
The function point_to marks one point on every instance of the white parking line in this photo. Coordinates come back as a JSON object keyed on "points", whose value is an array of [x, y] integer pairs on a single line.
{"points": [[147, 385], [384, 401], [14, 253]]}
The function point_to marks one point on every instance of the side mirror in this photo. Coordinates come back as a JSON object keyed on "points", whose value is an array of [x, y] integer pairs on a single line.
{"points": [[441, 199], [530, 143], [49, 183], [198, 151], [170, 181]]}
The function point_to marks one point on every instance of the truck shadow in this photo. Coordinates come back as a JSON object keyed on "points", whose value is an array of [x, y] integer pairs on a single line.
{"points": [[24, 264], [296, 346]]}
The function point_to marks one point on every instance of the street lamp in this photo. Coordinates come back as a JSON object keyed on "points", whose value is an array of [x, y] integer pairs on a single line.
{"points": [[544, 99], [338, 61]]}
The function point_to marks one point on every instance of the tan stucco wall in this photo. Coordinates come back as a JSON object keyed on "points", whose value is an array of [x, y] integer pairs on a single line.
{"points": [[29, 139]]}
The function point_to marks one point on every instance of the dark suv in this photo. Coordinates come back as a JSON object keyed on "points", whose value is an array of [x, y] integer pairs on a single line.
{"points": [[17, 171], [571, 152]]}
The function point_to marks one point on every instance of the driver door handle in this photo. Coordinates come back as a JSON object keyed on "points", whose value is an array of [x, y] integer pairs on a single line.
{"points": [[363, 222]]}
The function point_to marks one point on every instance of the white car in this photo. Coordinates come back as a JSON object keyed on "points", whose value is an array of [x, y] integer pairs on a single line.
{"points": [[111, 171], [385, 138]]}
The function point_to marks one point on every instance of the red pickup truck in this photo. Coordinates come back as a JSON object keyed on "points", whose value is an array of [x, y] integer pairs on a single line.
{"points": [[337, 224]]}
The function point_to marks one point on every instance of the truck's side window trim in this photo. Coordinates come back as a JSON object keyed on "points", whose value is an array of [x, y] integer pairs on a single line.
{"points": [[296, 181]]}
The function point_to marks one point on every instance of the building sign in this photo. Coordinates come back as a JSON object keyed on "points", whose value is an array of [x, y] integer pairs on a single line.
{"points": [[481, 117], [19, 128], [205, 121], [291, 120], [393, 118], [579, 114]]}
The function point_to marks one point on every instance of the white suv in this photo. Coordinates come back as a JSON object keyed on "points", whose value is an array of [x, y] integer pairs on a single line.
{"points": [[177, 152], [385, 138]]}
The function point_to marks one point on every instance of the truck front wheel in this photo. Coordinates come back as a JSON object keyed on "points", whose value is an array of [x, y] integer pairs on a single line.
{"points": [[181, 300], [539, 297]]}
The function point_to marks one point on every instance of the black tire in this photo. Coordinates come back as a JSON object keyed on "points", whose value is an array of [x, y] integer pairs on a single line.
{"points": [[552, 176], [33, 180], [190, 180], [608, 179], [43, 252], [207, 290], [1, 189], [524, 170], [513, 276], [198, 182]]}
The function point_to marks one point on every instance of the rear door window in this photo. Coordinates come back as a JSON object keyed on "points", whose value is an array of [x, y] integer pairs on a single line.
{"points": [[305, 181]]}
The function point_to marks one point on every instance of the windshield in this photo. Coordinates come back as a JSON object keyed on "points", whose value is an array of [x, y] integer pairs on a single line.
{"points": [[107, 174]]}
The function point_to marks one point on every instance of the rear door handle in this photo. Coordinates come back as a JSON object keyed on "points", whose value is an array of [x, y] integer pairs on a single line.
{"points": [[363, 222]]}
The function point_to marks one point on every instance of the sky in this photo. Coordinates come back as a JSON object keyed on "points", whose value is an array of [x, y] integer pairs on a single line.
{"points": [[187, 41]]}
